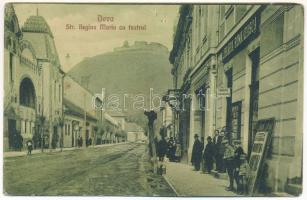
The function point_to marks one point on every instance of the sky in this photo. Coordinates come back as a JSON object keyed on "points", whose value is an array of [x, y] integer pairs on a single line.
{"points": [[160, 21]]}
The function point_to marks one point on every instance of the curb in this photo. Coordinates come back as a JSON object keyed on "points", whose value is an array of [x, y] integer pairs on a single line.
{"points": [[46, 151], [170, 184]]}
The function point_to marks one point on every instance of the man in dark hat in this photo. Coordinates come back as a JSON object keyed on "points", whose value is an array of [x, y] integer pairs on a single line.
{"points": [[209, 154], [196, 153]]}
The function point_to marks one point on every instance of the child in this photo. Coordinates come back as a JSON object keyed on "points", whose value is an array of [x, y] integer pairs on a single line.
{"points": [[29, 145], [243, 173]]}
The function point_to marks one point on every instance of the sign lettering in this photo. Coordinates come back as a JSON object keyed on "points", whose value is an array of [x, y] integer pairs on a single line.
{"points": [[248, 31], [259, 151]]}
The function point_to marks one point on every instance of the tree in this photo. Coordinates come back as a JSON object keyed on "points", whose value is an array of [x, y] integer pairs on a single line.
{"points": [[36, 138], [61, 123], [18, 140], [124, 135], [55, 140]]}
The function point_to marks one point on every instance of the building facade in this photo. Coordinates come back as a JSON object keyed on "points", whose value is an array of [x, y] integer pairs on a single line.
{"points": [[194, 68], [33, 82], [240, 65], [41, 102], [135, 133], [82, 113]]}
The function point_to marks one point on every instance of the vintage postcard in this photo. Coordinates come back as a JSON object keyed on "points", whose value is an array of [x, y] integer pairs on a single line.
{"points": [[136, 99]]}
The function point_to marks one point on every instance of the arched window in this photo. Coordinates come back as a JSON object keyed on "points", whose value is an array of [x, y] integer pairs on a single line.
{"points": [[27, 93]]}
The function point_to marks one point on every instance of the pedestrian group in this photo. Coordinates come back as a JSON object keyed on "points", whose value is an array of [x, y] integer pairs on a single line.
{"points": [[218, 152], [228, 157]]}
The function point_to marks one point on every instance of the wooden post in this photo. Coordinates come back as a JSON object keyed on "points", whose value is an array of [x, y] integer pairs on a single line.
{"points": [[152, 116]]}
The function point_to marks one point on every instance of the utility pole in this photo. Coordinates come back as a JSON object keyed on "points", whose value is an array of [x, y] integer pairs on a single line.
{"points": [[152, 116]]}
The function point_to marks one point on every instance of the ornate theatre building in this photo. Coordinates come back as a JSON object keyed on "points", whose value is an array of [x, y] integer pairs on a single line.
{"points": [[33, 83]]}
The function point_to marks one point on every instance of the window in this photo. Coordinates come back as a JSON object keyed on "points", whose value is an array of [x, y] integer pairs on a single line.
{"points": [[68, 129], [236, 120], [227, 8], [229, 21], [11, 67], [202, 98], [222, 11], [221, 31], [240, 11], [199, 25], [59, 93], [25, 126], [222, 22], [267, 42], [65, 129], [55, 90], [205, 21], [27, 93]]}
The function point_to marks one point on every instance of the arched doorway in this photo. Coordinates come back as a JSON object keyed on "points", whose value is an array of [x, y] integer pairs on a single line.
{"points": [[27, 95]]}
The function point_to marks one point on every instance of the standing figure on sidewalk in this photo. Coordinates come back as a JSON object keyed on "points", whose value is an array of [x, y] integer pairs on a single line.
{"points": [[229, 163], [243, 174], [81, 141], [178, 151], [161, 149], [239, 152], [29, 146], [171, 149], [202, 162], [197, 153], [209, 155], [219, 154]]}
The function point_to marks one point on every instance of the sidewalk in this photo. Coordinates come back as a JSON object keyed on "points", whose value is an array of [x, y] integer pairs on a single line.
{"points": [[187, 182], [38, 151]]}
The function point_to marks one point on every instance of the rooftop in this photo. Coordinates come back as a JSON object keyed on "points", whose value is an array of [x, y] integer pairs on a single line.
{"points": [[72, 109], [37, 24]]}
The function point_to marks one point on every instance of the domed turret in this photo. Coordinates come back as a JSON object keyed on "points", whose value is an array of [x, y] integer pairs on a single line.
{"points": [[37, 31], [37, 24]]}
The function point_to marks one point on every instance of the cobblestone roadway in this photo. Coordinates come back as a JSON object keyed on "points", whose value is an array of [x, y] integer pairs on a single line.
{"points": [[114, 170]]}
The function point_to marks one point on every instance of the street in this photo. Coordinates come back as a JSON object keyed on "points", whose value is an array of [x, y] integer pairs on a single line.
{"points": [[121, 169], [179, 100]]}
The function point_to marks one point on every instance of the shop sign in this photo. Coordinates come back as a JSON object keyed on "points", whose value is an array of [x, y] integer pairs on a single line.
{"points": [[259, 152], [246, 33], [223, 92]]}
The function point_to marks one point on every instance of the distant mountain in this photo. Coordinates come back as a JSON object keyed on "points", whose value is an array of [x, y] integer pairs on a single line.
{"points": [[127, 70]]}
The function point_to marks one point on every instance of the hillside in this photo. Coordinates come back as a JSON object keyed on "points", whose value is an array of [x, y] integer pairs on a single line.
{"points": [[129, 70]]}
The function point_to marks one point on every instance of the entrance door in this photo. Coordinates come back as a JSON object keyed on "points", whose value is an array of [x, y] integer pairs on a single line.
{"points": [[203, 109], [55, 137], [254, 97], [12, 132], [186, 123], [229, 105]]}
